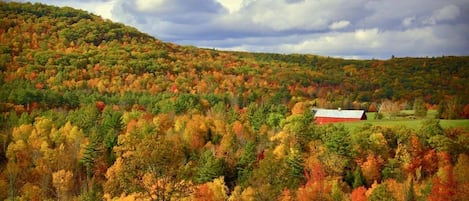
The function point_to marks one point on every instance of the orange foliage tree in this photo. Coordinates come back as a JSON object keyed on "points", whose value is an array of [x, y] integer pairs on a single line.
{"points": [[371, 168], [359, 194], [316, 187], [444, 185], [211, 191]]}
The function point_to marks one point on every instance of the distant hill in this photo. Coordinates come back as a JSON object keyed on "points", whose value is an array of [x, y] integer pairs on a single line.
{"points": [[58, 51]]}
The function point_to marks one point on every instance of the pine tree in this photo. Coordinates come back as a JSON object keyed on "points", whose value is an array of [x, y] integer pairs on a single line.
{"points": [[296, 167], [410, 193], [358, 179], [420, 110], [336, 193], [246, 162], [209, 167], [381, 193]]}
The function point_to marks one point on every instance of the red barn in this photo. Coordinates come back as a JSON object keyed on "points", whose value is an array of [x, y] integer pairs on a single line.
{"points": [[323, 116]]}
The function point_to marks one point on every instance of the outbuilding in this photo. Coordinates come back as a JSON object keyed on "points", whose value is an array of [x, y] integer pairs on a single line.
{"points": [[323, 116]]}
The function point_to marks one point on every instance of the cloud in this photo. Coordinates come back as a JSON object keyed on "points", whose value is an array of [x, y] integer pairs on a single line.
{"points": [[231, 5], [339, 25], [173, 11], [422, 41], [448, 12], [408, 21], [363, 43]]}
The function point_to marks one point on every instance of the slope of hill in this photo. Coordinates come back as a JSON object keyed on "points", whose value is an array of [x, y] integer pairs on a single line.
{"points": [[60, 49], [92, 109]]}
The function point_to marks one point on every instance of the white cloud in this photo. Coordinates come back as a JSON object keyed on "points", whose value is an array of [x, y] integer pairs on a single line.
{"points": [[339, 25], [408, 21], [150, 5], [448, 12], [231, 5], [344, 44], [424, 41]]}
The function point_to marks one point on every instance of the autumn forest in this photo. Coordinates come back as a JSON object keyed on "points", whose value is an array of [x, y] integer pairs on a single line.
{"points": [[91, 109]]}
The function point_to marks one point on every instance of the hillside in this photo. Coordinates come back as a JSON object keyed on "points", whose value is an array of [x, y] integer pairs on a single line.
{"points": [[93, 109], [62, 49]]}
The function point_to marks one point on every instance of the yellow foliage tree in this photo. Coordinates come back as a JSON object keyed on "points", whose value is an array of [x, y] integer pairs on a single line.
{"points": [[212, 191], [300, 108], [62, 181]]}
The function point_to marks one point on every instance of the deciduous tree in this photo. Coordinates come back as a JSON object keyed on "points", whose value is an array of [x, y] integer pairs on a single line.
{"points": [[358, 194]]}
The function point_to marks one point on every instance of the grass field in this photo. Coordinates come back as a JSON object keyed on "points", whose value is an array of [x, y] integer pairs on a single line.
{"points": [[410, 123]]}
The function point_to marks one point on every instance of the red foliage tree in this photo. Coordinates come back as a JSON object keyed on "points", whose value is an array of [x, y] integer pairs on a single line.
{"points": [[416, 152], [359, 194], [430, 162], [100, 105], [315, 187], [444, 185], [465, 112], [203, 193], [372, 108]]}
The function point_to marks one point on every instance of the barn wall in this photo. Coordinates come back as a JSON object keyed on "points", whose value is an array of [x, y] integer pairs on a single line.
{"points": [[325, 120]]}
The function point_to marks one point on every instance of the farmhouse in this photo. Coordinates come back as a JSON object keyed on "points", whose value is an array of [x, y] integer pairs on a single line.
{"points": [[323, 116]]}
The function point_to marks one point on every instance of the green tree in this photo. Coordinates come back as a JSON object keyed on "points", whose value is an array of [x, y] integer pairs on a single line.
{"points": [[257, 115], [209, 167], [185, 102], [381, 193], [112, 125], [450, 109], [431, 128], [269, 179], [336, 192], [410, 192], [85, 117], [337, 139], [392, 169], [246, 163], [358, 178], [274, 119], [420, 110], [295, 164]]}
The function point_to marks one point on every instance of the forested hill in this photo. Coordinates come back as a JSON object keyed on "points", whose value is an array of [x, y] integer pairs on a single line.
{"points": [[96, 110], [50, 50]]}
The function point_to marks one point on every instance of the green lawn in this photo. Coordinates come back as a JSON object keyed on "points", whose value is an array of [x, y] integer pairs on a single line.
{"points": [[410, 123]]}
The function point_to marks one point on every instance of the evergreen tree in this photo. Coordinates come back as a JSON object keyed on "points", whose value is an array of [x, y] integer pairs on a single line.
{"points": [[381, 193], [209, 167], [358, 178], [420, 110], [246, 163], [295, 164], [410, 192], [337, 140], [336, 193]]}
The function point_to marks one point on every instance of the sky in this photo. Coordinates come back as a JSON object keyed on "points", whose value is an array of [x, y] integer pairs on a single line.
{"points": [[360, 29]]}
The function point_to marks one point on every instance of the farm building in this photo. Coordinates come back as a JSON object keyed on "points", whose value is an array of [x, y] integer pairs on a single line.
{"points": [[323, 116]]}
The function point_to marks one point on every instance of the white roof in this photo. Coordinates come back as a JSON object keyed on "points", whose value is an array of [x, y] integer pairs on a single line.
{"points": [[339, 113]]}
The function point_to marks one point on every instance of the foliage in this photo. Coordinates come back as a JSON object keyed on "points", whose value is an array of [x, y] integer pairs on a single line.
{"points": [[209, 167], [420, 109], [93, 110], [381, 193]]}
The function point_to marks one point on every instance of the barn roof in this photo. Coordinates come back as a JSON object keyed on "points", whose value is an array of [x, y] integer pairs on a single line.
{"points": [[339, 113]]}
